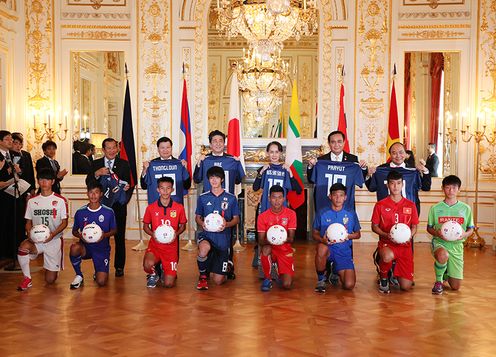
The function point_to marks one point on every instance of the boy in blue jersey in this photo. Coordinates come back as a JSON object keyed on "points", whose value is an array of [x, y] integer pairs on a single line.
{"points": [[96, 213], [340, 254], [165, 165], [214, 247]]}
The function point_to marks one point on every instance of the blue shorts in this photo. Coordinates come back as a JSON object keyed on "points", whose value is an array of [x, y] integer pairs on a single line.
{"points": [[340, 254], [100, 257], [217, 259]]}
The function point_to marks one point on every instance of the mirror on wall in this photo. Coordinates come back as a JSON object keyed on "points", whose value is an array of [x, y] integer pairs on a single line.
{"points": [[431, 109], [98, 82]]}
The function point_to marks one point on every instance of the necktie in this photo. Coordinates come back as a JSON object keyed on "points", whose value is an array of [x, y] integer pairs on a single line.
{"points": [[54, 168]]}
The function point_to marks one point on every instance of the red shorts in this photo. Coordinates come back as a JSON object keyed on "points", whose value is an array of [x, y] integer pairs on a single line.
{"points": [[168, 259], [403, 256], [284, 259]]}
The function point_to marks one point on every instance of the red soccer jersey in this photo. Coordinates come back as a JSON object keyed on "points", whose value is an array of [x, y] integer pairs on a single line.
{"points": [[387, 213], [157, 214], [286, 218]]}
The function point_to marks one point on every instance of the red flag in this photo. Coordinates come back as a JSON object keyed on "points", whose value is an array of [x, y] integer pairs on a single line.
{"points": [[185, 138], [342, 119], [393, 125], [234, 126]]}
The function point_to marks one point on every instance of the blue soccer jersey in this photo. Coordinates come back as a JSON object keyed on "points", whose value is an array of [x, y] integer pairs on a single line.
{"points": [[326, 173], [113, 190], [172, 168], [274, 175], [411, 182], [328, 216], [103, 216], [227, 206], [233, 171]]}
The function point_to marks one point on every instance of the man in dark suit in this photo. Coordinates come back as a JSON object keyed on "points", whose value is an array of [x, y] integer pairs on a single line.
{"points": [[432, 161], [48, 161], [81, 164], [23, 158], [111, 166]]}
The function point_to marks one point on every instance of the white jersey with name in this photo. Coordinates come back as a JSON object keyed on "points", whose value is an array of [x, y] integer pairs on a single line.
{"points": [[47, 210]]}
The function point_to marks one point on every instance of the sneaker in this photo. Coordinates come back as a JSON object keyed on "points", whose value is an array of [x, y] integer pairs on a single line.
{"points": [[77, 282], [230, 271], [394, 281], [437, 289], [25, 284], [266, 285], [202, 283], [334, 279], [321, 286], [274, 271], [152, 280], [384, 286]]}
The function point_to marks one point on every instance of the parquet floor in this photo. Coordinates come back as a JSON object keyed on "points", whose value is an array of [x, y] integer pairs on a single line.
{"points": [[127, 319]]}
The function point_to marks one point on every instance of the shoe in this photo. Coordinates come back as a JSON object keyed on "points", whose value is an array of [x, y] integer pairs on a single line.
{"points": [[266, 285], [77, 282], [334, 279], [274, 271], [152, 280], [202, 283], [321, 286], [437, 289], [25, 284], [384, 286], [119, 272]]}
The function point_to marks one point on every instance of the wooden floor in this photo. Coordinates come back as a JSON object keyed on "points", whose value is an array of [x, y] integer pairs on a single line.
{"points": [[127, 319]]}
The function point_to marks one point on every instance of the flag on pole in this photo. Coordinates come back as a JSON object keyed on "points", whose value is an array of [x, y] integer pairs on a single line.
{"points": [[393, 125], [279, 129], [342, 126], [234, 144], [185, 137], [127, 147], [293, 149]]}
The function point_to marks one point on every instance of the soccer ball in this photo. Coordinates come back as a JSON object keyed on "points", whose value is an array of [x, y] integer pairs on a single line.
{"points": [[213, 222], [39, 233], [451, 230], [92, 233], [400, 233], [336, 233], [277, 235], [165, 234]]}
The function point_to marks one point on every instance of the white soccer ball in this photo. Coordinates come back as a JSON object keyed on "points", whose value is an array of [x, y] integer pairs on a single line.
{"points": [[400, 233], [92, 233], [165, 234], [213, 222], [39, 233], [277, 235], [451, 230], [336, 233]]}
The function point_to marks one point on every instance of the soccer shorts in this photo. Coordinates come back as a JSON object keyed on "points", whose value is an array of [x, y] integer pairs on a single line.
{"points": [[340, 255], [455, 259], [100, 257], [53, 254], [168, 259], [403, 256], [284, 259]]}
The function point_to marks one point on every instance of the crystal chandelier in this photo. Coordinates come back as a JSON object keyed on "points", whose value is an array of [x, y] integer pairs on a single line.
{"points": [[261, 104], [273, 20]]}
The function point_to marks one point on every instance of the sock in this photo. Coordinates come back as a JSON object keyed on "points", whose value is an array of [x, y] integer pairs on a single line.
{"points": [[266, 264], [150, 270], [321, 275], [439, 270], [23, 258], [384, 269], [202, 265], [76, 264]]}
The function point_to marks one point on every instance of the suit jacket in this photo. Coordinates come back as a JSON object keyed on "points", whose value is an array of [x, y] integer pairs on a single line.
{"points": [[121, 169], [81, 164], [346, 157], [27, 169], [4, 176], [432, 164], [44, 163]]}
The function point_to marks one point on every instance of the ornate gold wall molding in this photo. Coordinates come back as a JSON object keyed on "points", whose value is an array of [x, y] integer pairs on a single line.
{"points": [[39, 53], [96, 35], [433, 35], [153, 72], [433, 15]]}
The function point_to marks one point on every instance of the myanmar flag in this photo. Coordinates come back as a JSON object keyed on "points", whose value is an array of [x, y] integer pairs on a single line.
{"points": [[293, 149]]}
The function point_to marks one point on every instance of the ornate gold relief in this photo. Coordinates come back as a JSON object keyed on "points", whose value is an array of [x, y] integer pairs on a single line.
{"points": [[97, 35], [153, 64], [434, 34]]}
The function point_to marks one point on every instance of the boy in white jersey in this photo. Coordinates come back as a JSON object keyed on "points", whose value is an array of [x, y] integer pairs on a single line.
{"points": [[50, 209]]}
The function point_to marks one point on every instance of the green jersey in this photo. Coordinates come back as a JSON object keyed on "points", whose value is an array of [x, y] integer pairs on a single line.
{"points": [[459, 212]]}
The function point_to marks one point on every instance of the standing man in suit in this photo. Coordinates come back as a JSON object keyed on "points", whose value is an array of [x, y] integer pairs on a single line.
{"points": [[114, 175], [432, 161], [48, 161], [25, 162], [81, 163]]}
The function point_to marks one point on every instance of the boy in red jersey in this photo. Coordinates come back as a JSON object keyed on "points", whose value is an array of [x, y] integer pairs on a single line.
{"points": [[387, 212], [163, 211], [50, 209], [280, 254]]}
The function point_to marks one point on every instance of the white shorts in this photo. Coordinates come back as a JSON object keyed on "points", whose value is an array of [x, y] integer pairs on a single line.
{"points": [[53, 254]]}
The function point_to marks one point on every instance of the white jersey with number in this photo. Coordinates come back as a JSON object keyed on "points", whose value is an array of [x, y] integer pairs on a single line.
{"points": [[47, 210]]}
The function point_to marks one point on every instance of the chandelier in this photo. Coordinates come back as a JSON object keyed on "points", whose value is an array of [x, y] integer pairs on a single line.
{"points": [[261, 105], [274, 20]]}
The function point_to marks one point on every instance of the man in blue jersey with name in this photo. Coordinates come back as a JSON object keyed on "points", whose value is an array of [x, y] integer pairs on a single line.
{"points": [[214, 247], [165, 165], [92, 213]]}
